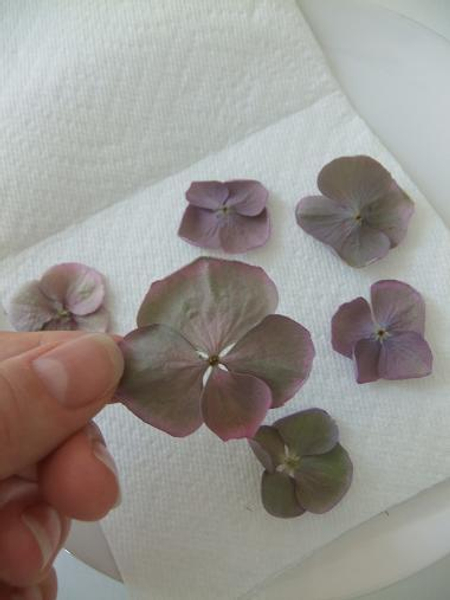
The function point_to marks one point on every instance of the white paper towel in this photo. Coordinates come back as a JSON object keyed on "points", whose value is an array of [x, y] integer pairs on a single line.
{"points": [[191, 525], [98, 99]]}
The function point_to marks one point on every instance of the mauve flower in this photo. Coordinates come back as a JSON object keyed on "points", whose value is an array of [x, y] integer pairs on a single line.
{"points": [[231, 216], [68, 296], [362, 213], [386, 342], [306, 469], [186, 326]]}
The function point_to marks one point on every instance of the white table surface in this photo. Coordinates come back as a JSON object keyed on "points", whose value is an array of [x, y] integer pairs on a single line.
{"points": [[414, 119]]}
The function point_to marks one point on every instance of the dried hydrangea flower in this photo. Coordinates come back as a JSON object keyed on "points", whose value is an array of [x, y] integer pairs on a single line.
{"points": [[208, 349], [306, 469], [385, 341], [231, 216], [362, 213], [68, 296]]}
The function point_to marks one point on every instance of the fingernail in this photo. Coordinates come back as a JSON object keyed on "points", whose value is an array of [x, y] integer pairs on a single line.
{"points": [[45, 525], [31, 593], [81, 371], [101, 452]]}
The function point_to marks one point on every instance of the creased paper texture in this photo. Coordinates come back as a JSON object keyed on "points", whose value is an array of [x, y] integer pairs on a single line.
{"points": [[98, 99], [191, 525]]}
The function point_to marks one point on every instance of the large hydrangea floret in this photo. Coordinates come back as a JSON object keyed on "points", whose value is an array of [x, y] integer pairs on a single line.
{"points": [[208, 349]]}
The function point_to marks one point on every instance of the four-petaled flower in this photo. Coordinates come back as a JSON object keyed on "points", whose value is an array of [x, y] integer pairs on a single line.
{"points": [[306, 469], [68, 296], [186, 326], [231, 216], [386, 342], [362, 213]]}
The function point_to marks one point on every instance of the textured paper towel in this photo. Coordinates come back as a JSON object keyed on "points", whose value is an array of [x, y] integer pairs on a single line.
{"points": [[98, 99], [191, 524]]}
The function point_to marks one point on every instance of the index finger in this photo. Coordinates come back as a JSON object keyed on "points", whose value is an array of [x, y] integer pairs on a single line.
{"points": [[13, 343]]}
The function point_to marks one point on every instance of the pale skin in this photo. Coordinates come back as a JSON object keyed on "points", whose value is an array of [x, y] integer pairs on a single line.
{"points": [[54, 465]]}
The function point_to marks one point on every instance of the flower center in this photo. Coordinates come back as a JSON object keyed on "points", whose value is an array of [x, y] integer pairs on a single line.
{"points": [[358, 218], [224, 211], [64, 313], [214, 360], [381, 334], [289, 463]]}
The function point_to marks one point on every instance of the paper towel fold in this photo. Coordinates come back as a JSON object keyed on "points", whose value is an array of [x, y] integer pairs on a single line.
{"points": [[191, 524]]}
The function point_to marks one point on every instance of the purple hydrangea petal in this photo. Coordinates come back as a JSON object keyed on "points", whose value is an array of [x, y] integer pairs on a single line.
{"points": [[279, 351], [97, 321], [322, 481], [352, 322], [363, 246], [248, 197], [367, 354], [29, 309], [163, 379], [239, 234], [355, 242], [79, 288], [234, 405], [268, 447], [207, 194], [201, 227], [325, 219], [354, 180], [390, 214], [211, 302], [308, 432], [405, 356], [279, 497], [397, 306]]}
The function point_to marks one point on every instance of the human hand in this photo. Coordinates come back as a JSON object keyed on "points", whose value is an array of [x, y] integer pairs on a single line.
{"points": [[54, 465]]}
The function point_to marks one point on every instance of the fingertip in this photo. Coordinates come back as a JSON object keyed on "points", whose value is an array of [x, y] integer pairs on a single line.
{"points": [[80, 478], [32, 533]]}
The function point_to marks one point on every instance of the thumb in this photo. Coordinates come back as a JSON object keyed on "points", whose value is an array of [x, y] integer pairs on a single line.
{"points": [[49, 393]]}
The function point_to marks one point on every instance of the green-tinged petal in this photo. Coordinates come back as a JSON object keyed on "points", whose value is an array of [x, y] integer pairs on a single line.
{"points": [[354, 180], [279, 497], [212, 302], [163, 379], [268, 447], [279, 351], [322, 481], [308, 432], [390, 214]]}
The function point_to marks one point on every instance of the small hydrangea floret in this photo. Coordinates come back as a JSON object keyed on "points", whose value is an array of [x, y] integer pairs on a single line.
{"points": [[69, 296], [385, 340], [231, 216], [305, 466], [362, 212]]}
